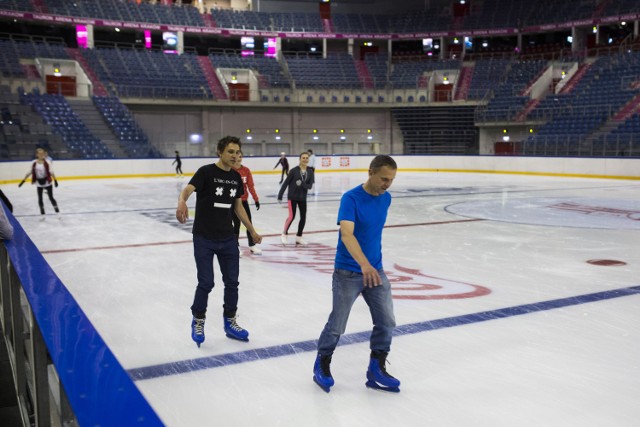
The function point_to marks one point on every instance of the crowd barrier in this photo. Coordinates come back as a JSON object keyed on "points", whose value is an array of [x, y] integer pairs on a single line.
{"points": [[64, 373]]}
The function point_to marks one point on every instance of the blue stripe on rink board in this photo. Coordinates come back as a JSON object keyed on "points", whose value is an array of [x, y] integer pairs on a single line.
{"points": [[210, 362], [99, 390]]}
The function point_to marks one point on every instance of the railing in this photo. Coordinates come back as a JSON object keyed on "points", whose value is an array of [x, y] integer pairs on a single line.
{"points": [[566, 146], [63, 372], [542, 114]]}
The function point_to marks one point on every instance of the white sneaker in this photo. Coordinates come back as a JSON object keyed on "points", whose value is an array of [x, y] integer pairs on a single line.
{"points": [[255, 250], [283, 239], [301, 241]]}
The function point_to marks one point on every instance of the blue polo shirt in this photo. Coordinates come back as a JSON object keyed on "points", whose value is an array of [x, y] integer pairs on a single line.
{"points": [[369, 214]]}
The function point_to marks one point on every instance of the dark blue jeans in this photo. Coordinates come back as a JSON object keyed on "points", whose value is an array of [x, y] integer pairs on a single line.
{"points": [[226, 250]]}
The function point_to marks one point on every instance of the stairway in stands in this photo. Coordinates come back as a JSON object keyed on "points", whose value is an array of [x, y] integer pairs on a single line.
{"points": [[98, 87], [628, 110], [582, 70], [364, 74], [209, 21], [40, 6], [212, 78], [464, 82], [533, 103]]}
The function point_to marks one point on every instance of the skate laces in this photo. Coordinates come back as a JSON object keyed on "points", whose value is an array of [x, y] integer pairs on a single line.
{"points": [[325, 363], [382, 361], [198, 326], [233, 324]]}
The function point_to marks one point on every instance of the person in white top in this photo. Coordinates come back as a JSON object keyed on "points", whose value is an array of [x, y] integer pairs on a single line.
{"points": [[312, 160], [43, 177]]}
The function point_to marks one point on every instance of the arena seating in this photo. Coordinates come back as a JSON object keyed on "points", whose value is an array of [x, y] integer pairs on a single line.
{"points": [[573, 119], [579, 121], [127, 11], [406, 74], [64, 121], [26, 47], [486, 75], [10, 60], [421, 21], [508, 99], [242, 20], [620, 7], [624, 140], [22, 130], [378, 66], [337, 71], [272, 75], [300, 22], [132, 139], [21, 5], [149, 74], [360, 23]]}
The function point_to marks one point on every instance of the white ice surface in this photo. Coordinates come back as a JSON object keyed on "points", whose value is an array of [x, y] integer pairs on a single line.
{"points": [[117, 248]]}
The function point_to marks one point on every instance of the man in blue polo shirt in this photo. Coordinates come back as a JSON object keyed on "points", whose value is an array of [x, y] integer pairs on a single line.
{"points": [[358, 270]]}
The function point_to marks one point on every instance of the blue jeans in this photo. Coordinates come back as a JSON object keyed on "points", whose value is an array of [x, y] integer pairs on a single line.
{"points": [[347, 286], [226, 250]]}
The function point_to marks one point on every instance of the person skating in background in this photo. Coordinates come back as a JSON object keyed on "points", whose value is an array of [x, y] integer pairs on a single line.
{"points": [[178, 163], [312, 160], [219, 190], [42, 176], [298, 182], [247, 180], [285, 166], [359, 271]]}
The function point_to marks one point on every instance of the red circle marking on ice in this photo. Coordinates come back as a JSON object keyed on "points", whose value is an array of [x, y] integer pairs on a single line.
{"points": [[607, 262]]}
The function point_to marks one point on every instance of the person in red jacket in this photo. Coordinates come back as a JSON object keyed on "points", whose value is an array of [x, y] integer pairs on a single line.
{"points": [[247, 181], [42, 175]]}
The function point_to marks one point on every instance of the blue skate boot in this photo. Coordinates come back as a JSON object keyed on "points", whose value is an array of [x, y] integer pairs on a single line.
{"points": [[233, 330], [197, 330], [377, 376], [322, 373]]}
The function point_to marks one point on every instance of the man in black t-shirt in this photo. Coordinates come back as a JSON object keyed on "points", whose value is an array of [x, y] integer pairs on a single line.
{"points": [[219, 188]]}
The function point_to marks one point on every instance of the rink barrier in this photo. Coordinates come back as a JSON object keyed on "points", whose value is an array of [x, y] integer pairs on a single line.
{"points": [[63, 371], [572, 167]]}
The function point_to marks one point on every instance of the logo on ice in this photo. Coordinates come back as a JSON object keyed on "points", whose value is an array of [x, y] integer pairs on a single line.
{"points": [[406, 283]]}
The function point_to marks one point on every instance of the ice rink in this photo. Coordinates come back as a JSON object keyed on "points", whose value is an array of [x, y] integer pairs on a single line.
{"points": [[517, 300]]}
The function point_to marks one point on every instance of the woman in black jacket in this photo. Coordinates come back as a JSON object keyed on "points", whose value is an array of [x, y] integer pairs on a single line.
{"points": [[299, 180]]}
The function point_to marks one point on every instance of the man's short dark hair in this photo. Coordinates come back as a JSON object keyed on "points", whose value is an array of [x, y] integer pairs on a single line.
{"points": [[222, 144], [382, 160]]}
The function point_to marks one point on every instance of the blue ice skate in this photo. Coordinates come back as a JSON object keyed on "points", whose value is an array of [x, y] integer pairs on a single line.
{"points": [[377, 376], [322, 373], [197, 330], [233, 330]]}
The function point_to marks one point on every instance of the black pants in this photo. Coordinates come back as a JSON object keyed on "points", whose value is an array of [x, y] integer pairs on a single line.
{"points": [[292, 214], [285, 172], [51, 199], [237, 222]]}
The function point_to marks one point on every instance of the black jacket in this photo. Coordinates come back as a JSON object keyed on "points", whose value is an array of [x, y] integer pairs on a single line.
{"points": [[298, 187]]}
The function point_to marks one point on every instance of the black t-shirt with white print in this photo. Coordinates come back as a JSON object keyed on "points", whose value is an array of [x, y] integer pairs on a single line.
{"points": [[216, 192]]}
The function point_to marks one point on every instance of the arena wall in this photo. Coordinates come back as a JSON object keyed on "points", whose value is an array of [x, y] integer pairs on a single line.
{"points": [[618, 168]]}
